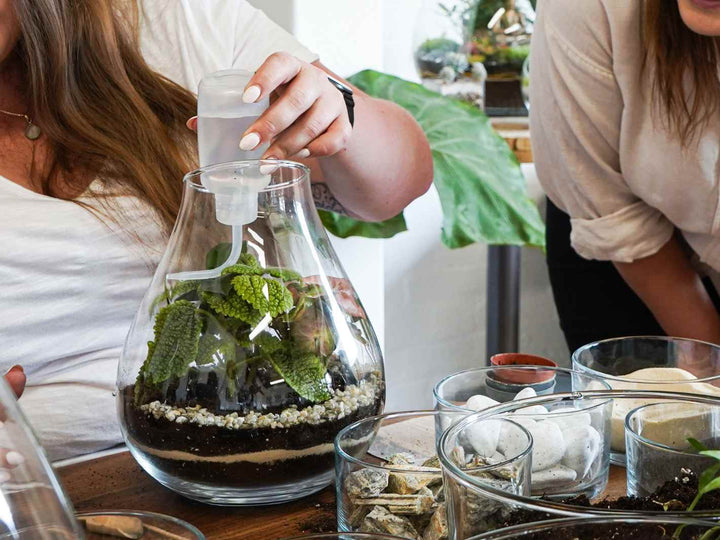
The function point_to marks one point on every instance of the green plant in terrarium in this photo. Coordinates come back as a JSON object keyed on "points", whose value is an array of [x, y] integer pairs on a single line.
{"points": [[212, 321]]}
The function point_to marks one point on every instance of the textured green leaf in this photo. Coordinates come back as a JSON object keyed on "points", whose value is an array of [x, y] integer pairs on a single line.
{"points": [[176, 344], [252, 290], [234, 307], [482, 189], [345, 227], [304, 373]]}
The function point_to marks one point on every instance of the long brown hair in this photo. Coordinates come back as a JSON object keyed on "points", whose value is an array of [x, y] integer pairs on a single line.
{"points": [[675, 55], [101, 106]]}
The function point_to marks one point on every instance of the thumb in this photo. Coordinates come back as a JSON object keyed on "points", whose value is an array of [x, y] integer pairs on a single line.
{"points": [[15, 377]]}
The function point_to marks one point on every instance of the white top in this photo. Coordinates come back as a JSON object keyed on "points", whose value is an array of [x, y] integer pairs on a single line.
{"points": [[71, 285], [600, 152]]}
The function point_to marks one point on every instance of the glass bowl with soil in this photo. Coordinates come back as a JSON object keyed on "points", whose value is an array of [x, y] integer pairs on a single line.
{"points": [[638, 528], [652, 363], [389, 478], [474, 457], [675, 499], [664, 440], [250, 350], [570, 454]]}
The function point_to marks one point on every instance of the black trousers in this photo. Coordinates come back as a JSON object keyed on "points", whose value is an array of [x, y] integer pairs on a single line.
{"points": [[592, 299]]}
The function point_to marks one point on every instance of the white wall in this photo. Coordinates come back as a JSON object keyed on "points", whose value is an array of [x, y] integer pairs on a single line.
{"points": [[434, 298]]}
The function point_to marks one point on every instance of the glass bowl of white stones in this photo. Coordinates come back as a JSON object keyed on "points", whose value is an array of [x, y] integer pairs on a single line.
{"points": [[571, 447]]}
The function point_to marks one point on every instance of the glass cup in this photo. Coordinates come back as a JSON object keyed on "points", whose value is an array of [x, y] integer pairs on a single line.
{"points": [[650, 363], [613, 527], [530, 509], [658, 441], [473, 470], [388, 476], [570, 455], [32, 502]]}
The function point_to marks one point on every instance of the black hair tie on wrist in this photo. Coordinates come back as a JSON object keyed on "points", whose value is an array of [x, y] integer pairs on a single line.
{"points": [[347, 93]]}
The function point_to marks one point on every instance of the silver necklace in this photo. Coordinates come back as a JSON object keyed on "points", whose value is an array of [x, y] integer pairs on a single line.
{"points": [[32, 132]]}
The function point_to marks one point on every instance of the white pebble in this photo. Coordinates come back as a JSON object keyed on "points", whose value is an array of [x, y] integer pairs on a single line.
{"points": [[548, 445], [483, 436], [525, 393], [583, 447], [533, 409], [552, 477], [479, 403], [569, 417], [512, 440]]}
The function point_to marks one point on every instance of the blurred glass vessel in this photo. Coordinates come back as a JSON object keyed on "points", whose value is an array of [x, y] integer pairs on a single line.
{"points": [[32, 502], [442, 41], [234, 382]]}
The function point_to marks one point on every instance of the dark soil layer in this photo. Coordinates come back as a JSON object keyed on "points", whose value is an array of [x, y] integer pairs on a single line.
{"points": [[674, 495], [218, 441]]}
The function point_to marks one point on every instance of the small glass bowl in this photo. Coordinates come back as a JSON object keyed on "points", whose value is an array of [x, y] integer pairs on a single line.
{"points": [[657, 440], [156, 526], [590, 527], [388, 477], [543, 509], [469, 458], [618, 360], [571, 457]]}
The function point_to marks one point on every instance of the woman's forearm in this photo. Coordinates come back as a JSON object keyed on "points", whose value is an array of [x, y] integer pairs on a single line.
{"points": [[673, 291], [386, 164]]}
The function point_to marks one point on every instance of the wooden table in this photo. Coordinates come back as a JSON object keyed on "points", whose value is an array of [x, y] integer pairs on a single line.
{"points": [[117, 482]]}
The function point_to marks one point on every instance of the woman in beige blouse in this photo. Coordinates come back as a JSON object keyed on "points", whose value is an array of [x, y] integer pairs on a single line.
{"points": [[626, 134]]}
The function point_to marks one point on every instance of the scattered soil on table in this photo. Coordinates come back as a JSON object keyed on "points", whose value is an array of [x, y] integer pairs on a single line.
{"points": [[326, 522], [675, 495]]}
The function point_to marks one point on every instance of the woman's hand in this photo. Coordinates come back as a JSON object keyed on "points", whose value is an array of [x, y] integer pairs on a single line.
{"points": [[309, 118], [15, 377]]}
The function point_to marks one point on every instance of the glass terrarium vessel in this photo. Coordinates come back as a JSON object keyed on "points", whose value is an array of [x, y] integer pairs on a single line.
{"points": [[250, 350]]}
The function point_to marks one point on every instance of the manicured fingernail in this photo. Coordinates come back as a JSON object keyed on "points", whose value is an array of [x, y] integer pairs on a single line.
{"points": [[251, 94], [302, 154], [192, 123], [16, 367], [269, 169], [14, 459], [249, 142]]}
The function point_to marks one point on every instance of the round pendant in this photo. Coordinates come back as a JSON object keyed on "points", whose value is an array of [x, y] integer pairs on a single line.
{"points": [[32, 132]]}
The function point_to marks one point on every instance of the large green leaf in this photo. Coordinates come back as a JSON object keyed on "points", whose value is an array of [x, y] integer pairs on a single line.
{"points": [[482, 189], [344, 226]]}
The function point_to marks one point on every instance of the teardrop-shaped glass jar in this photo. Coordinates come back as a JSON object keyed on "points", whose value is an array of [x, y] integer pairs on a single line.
{"points": [[250, 350]]}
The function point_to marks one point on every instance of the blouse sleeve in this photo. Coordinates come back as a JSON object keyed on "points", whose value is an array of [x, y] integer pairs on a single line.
{"points": [[257, 37], [577, 110]]}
